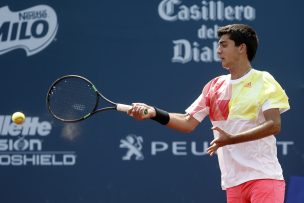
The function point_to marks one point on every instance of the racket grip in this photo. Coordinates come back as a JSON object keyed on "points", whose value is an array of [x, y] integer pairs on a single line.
{"points": [[123, 107], [126, 108]]}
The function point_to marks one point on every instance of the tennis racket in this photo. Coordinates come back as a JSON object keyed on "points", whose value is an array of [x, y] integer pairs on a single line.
{"points": [[73, 98]]}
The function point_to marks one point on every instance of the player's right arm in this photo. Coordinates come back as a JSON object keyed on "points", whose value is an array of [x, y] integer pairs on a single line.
{"points": [[181, 122]]}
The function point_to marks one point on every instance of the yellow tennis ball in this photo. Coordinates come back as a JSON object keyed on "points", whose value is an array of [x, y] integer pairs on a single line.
{"points": [[18, 118]]}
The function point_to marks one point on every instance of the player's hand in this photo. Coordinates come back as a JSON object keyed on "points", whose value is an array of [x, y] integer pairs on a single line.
{"points": [[223, 139], [141, 111]]}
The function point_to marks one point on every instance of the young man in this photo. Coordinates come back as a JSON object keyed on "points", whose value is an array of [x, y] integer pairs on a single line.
{"points": [[244, 108]]}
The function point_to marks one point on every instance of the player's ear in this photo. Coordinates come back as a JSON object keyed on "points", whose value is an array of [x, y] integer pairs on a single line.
{"points": [[243, 48]]}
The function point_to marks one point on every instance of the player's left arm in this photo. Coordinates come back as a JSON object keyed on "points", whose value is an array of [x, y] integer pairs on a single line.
{"points": [[271, 126]]}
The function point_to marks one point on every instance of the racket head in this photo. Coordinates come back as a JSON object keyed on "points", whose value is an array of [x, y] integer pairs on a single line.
{"points": [[72, 98]]}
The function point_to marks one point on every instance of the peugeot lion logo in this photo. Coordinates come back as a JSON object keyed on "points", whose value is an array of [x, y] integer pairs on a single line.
{"points": [[32, 29], [134, 145]]}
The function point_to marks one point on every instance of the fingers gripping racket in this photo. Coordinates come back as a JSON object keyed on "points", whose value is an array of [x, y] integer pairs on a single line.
{"points": [[73, 98]]}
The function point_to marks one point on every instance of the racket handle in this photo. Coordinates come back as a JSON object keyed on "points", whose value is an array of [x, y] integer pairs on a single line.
{"points": [[123, 107], [126, 108]]}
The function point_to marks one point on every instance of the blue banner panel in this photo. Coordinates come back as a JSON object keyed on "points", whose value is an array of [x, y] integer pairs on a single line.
{"points": [[159, 52]]}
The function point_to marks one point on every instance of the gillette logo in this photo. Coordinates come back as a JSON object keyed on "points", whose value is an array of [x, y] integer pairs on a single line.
{"points": [[32, 29]]}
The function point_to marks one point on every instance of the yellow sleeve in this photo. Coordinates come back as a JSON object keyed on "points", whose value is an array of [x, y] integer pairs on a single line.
{"points": [[275, 96]]}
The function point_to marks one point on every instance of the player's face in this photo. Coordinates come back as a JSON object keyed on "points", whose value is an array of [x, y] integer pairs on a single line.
{"points": [[227, 51]]}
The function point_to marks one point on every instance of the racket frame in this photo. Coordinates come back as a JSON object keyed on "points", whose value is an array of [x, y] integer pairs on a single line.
{"points": [[115, 106]]}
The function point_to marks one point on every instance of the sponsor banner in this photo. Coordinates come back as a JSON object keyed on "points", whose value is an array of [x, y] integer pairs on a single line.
{"points": [[31, 29], [23, 145], [204, 48], [135, 148]]}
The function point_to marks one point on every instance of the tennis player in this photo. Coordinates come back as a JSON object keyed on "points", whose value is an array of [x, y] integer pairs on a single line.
{"points": [[244, 108]]}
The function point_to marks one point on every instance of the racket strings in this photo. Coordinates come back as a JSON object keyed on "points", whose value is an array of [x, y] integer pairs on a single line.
{"points": [[72, 99]]}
